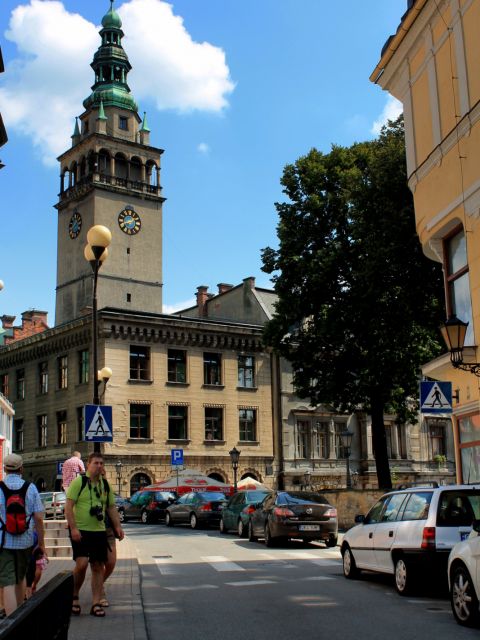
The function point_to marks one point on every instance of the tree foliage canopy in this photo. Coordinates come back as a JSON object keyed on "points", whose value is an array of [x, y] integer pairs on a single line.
{"points": [[359, 305]]}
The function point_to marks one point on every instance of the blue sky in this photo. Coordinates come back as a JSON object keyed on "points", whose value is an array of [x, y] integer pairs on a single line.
{"points": [[234, 90]]}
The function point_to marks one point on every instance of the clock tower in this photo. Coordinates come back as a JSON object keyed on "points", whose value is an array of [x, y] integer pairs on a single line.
{"points": [[110, 176]]}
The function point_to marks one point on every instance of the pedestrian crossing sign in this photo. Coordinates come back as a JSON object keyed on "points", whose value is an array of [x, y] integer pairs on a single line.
{"points": [[98, 423], [435, 397]]}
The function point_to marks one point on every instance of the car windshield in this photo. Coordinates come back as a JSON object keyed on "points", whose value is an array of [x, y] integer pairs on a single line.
{"points": [[256, 496], [300, 497], [212, 495], [458, 508]]}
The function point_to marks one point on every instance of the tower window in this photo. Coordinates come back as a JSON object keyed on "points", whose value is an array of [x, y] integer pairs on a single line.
{"points": [[129, 297], [123, 123], [128, 251]]}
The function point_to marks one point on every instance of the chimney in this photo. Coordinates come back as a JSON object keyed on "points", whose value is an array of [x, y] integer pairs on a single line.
{"points": [[7, 321], [249, 283], [222, 287], [202, 297]]}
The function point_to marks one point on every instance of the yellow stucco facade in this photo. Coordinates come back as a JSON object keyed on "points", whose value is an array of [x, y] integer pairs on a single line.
{"points": [[432, 65]]}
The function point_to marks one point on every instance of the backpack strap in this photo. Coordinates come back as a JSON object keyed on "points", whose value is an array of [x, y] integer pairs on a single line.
{"points": [[84, 484]]}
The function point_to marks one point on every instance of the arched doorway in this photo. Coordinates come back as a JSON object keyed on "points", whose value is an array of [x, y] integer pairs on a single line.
{"points": [[138, 481], [250, 474], [216, 476]]}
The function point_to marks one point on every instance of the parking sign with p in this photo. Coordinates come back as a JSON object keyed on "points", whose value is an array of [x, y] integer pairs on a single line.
{"points": [[177, 457]]}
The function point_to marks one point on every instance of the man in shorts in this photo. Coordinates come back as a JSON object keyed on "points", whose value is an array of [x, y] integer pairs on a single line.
{"points": [[88, 501], [16, 550]]}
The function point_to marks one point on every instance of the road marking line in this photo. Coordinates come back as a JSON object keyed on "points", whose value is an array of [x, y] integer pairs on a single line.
{"points": [[221, 563], [192, 588], [250, 583], [318, 578], [164, 565]]}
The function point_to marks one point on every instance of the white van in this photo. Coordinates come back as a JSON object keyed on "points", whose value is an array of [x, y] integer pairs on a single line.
{"points": [[411, 530]]}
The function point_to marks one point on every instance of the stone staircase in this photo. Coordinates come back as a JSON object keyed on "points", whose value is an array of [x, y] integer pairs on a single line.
{"points": [[57, 542]]}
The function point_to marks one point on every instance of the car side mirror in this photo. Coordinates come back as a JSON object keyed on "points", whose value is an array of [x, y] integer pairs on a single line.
{"points": [[476, 526], [359, 519]]}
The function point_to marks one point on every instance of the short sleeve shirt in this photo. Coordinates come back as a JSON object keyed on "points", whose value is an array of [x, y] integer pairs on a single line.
{"points": [[33, 504], [71, 469], [92, 495]]}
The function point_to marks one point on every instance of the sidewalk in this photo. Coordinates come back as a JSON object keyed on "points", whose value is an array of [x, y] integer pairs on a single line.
{"points": [[124, 617]]}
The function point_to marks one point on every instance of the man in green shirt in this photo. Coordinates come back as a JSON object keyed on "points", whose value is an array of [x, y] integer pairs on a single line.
{"points": [[88, 499]]}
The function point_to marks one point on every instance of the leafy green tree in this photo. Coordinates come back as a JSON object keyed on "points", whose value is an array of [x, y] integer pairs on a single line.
{"points": [[359, 305]]}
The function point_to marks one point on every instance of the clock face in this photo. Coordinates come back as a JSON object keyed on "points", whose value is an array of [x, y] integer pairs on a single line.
{"points": [[129, 221], [75, 225]]}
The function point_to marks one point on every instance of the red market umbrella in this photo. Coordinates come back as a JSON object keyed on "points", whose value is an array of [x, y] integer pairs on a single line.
{"points": [[187, 482]]}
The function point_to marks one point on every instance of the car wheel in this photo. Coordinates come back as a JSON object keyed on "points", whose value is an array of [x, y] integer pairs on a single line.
{"points": [[193, 521], [242, 533], [222, 527], [463, 598], [269, 541], [251, 535], [168, 520], [403, 577], [144, 517], [350, 570], [121, 515], [331, 542]]}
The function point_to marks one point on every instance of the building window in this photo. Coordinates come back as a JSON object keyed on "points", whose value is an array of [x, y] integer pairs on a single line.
{"points": [[339, 449], [20, 384], [83, 366], [139, 421], [62, 372], [303, 439], [43, 377], [320, 439], [61, 427], [80, 424], [139, 363], [246, 371], [436, 434], [177, 365], [213, 423], [18, 434], [123, 123], [248, 425], [42, 431], [212, 368], [177, 423], [457, 281], [4, 384]]}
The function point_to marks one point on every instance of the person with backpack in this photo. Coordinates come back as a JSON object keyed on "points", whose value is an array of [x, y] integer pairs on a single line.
{"points": [[20, 510], [89, 499]]}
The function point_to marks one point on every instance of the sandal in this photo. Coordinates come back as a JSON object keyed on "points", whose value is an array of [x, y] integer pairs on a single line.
{"points": [[104, 603], [76, 608], [97, 611]]}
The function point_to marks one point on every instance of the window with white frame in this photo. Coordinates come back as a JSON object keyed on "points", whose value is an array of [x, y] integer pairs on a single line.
{"points": [[458, 280]]}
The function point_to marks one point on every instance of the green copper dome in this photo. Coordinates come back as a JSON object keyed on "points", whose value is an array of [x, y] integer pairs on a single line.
{"points": [[111, 20], [110, 95]]}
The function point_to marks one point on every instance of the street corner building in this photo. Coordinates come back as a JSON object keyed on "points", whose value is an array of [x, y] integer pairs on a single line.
{"points": [[432, 65]]}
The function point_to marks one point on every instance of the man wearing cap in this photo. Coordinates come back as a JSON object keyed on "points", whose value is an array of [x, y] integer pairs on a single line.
{"points": [[16, 550]]}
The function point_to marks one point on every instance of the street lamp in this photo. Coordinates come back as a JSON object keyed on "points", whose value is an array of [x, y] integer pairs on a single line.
{"points": [[346, 437], [307, 476], [234, 457], [96, 252], [118, 469], [454, 331], [1, 285]]}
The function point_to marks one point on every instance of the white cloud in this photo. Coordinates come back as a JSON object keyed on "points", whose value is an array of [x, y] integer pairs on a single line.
{"points": [[204, 148], [177, 306], [392, 109], [45, 85]]}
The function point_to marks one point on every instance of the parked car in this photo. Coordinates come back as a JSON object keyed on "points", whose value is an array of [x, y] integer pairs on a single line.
{"points": [[294, 514], [236, 513], [411, 530], [464, 579], [54, 503], [197, 509], [146, 506]]}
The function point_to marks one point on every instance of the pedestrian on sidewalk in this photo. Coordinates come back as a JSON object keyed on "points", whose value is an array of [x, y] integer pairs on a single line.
{"points": [[72, 468], [16, 548], [89, 499]]}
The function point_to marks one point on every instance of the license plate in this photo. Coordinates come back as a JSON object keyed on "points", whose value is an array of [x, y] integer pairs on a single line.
{"points": [[464, 535], [309, 527]]}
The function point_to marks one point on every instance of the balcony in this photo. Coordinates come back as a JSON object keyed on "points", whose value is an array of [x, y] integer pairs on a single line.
{"points": [[85, 183]]}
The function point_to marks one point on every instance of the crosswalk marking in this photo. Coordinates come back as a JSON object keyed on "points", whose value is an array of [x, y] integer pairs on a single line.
{"points": [[192, 587], [221, 563], [165, 566], [250, 583]]}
